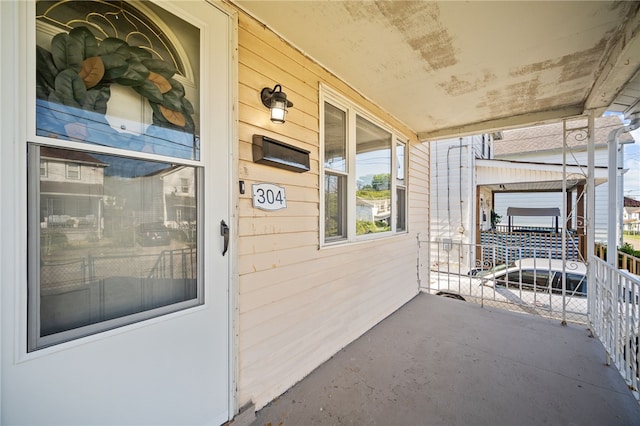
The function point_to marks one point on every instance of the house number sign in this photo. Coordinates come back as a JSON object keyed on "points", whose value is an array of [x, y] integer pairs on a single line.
{"points": [[267, 196]]}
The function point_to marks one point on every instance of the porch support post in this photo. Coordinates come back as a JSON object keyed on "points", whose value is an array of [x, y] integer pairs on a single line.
{"points": [[612, 182], [589, 220], [563, 233], [614, 202], [478, 237]]}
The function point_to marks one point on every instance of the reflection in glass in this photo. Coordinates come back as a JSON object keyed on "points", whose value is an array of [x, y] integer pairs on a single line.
{"points": [[119, 243], [106, 75], [334, 207], [373, 178], [335, 144], [401, 209], [64, 122], [401, 191], [400, 162]]}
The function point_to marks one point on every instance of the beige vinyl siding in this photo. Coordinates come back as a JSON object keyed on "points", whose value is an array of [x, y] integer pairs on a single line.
{"points": [[299, 304]]}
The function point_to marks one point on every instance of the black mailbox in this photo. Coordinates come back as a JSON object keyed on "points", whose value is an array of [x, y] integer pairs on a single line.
{"points": [[279, 154]]}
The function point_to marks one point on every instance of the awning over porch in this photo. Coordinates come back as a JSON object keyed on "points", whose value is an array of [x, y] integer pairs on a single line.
{"points": [[520, 176]]}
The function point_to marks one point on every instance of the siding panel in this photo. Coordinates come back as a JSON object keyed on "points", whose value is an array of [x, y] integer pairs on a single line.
{"points": [[298, 304]]}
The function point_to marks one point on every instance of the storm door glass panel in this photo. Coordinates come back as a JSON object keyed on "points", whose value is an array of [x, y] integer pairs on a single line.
{"points": [[335, 139], [373, 178], [117, 246], [107, 74]]}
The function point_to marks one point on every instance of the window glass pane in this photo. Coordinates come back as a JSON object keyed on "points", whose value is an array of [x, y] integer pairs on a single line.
{"points": [[401, 224], [116, 242], [400, 161], [576, 284], [334, 138], [106, 75], [373, 178], [334, 207], [538, 278], [73, 171]]}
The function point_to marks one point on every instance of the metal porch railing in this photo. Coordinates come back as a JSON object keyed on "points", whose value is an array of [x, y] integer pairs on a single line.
{"points": [[471, 272], [614, 314]]}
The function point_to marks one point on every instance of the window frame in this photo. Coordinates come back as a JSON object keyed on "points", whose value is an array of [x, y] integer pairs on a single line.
{"points": [[401, 185], [352, 112], [36, 345]]}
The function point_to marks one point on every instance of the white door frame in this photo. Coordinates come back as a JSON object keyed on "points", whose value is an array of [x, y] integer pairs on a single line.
{"points": [[16, 42]]}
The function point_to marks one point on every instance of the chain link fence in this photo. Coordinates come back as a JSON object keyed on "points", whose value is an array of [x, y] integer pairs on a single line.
{"points": [[79, 292], [173, 264]]}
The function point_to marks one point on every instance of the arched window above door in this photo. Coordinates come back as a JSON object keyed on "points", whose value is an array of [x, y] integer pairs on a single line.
{"points": [[118, 74]]}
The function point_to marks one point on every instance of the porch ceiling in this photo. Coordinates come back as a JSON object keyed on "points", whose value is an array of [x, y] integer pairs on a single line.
{"points": [[455, 68]]}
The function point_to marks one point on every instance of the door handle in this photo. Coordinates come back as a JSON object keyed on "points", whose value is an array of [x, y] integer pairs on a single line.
{"points": [[224, 231]]}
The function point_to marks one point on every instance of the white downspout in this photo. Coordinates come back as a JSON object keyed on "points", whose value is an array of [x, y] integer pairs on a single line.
{"points": [[590, 223], [612, 228]]}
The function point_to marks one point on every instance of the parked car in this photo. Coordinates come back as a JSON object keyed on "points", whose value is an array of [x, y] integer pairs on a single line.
{"points": [[534, 285], [153, 234], [540, 275]]}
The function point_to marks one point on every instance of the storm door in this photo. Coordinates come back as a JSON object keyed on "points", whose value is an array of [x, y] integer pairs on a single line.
{"points": [[127, 188]]}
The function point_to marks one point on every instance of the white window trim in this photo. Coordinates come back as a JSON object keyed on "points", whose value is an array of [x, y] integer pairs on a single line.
{"points": [[404, 185], [353, 110]]}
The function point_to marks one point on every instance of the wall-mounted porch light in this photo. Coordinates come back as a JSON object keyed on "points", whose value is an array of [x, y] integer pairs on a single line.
{"points": [[276, 100]]}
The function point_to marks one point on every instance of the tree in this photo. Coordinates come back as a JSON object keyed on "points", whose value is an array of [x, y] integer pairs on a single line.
{"points": [[381, 181]]}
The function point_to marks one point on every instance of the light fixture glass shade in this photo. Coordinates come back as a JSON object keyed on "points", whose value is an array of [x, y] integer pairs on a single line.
{"points": [[278, 110]]}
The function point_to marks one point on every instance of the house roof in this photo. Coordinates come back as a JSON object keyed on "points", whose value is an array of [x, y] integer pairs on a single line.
{"points": [[630, 202], [549, 137], [70, 155], [449, 69]]}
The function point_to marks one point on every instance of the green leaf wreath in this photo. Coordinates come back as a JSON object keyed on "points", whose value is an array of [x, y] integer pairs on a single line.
{"points": [[78, 72]]}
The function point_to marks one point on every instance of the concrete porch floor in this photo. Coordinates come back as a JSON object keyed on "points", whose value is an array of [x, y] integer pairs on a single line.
{"points": [[442, 361]]}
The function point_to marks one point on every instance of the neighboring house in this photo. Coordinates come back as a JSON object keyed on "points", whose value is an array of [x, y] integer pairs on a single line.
{"points": [[631, 215], [477, 178], [169, 197], [71, 194], [543, 144], [456, 204]]}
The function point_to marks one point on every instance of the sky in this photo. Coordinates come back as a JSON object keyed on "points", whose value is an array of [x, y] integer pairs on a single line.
{"points": [[632, 162]]}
